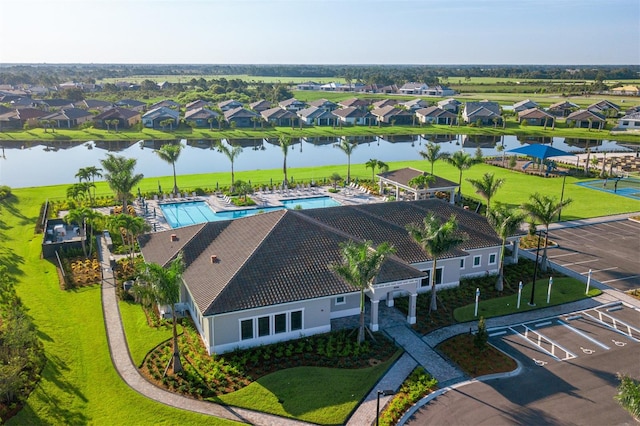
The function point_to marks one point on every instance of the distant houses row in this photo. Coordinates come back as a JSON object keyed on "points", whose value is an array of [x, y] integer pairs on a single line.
{"points": [[167, 114]]}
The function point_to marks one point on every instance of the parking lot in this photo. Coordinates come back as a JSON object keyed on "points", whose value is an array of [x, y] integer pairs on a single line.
{"points": [[611, 250], [569, 365]]}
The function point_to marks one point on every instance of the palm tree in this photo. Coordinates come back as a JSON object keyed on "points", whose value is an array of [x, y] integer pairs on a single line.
{"points": [[170, 154], [421, 181], [373, 163], [347, 147], [78, 216], [231, 152], [162, 285], [436, 238], [335, 178], [359, 267], [285, 143], [433, 154], [89, 173], [486, 187], [506, 222], [243, 188], [461, 161], [542, 209], [130, 228], [79, 191], [120, 177]]}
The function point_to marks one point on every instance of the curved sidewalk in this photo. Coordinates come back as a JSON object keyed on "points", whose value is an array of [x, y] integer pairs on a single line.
{"points": [[127, 370]]}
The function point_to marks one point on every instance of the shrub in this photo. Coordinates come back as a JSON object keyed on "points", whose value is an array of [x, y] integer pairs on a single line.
{"points": [[628, 395], [481, 337], [5, 192], [418, 384]]}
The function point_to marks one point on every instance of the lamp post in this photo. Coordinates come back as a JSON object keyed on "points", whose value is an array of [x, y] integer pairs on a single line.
{"points": [[564, 178], [383, 393], [535, 270]]}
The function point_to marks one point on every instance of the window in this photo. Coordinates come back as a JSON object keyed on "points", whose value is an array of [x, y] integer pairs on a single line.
{"points": [[246, 329], [426, 281], [462, 263], [476, 261], [492, 259], [625, 123], [340, 300], [280, 323], [263, 326], [296, 320]]}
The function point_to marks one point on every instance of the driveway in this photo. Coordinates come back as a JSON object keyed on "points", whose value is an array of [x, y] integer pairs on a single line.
{"points": [[569, 365], [611, 250]]}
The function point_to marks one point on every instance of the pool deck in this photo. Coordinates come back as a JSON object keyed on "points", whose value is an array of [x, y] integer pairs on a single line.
{"points": [[347, 196]]}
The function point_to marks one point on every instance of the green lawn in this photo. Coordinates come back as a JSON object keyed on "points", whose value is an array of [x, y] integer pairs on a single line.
{"points": [[79, 384], [563, 290], [324, 396]]}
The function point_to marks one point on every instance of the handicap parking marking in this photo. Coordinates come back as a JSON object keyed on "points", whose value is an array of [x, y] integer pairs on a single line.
{"points": [[606, 318], [543, 342]]}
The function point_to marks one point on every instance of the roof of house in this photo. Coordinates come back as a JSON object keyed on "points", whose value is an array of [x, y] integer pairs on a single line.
{"points": [[391, 111], [116, 112], [384, 103], [284, 256], [290, 101], [260, 105], [434, 111], [534, 113], [68, 114], [526, 104], [93, 104], [24, 114], [632, 116], [604, 105], [353, 102], [482, 109], [161, 112], [315, 112], [239, 112], [563, 105], [168, 103], [276, 113], [197, 104], [56, 102], [131, 103], [414, 102], [351, 112], [200, 113], [229, 102], [585, 114], [412, 85], [449, 101], [322, 103]]}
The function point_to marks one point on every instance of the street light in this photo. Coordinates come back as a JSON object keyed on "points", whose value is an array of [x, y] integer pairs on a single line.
{"points": [[564, 178], [535, 269], [383, 393]]}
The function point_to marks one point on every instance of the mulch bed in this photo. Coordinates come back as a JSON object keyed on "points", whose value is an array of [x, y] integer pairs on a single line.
{"points": [[475, 362]]}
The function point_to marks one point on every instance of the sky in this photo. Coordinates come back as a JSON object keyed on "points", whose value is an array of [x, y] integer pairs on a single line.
{"points": [[429, 32]]}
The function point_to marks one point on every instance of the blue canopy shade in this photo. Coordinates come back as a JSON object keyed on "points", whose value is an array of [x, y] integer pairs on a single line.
{"points": [[539, 151]]}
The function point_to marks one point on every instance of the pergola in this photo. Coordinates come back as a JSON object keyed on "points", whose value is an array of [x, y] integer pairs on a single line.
{"points": [[399, 179]]}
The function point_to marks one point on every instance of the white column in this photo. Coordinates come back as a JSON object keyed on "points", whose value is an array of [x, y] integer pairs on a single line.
{"points": [[374, 315], [390, 301], [452, 197], [415, 197], [411, 318], [514, 251], [397, 192]]}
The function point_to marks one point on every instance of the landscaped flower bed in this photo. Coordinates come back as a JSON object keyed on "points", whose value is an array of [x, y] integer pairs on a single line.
{"points": [[81, 272], [206, 376], [474, 361], [415, 387]]}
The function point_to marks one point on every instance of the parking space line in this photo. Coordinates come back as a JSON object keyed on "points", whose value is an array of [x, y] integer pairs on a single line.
{"points": [[540, 337], [614, 326], [563, 255], [583, 261], [621, 279], [595, 271], [580, 333]]}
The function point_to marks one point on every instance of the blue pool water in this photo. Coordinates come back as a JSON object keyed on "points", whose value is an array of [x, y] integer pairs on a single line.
{"points": [[194, 212]]}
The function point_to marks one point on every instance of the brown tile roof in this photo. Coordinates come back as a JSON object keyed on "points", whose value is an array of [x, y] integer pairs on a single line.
{"points": [[534, 113], [584, 115], [403, 176]]}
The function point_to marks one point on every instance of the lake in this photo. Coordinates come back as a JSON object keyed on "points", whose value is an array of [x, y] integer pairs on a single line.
{"points": [[51, 163]]}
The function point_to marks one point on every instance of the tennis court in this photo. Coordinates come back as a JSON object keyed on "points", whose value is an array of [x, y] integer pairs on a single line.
{"points": [[626, 187]]}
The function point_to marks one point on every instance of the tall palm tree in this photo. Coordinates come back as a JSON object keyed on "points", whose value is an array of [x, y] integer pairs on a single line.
{"points": [[231, 152], [486, 187], [170, 153], [79, 191], [506, 222], [433, 154], [461, 161], [373, 164], [542, 209], [79, 216], [129, 228], [162, 285], [285, 143], [87, 174], [347, 147], [359, 266], [120, 177], [436, 238]]}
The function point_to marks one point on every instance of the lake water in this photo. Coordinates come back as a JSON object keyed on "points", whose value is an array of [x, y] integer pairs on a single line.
{"points": [[40, 163]]}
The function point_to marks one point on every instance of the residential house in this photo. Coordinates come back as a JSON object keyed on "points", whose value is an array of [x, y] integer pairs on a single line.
{"points": [[392, 115], [242, 290], [435, 115], [94, 104], [163, 85], [165, 103], [354, 116], [292, 105], [483, 112], [413, 88], [524, 105], [450, 104], [201, 117], [630, 122], [241, 117], [354, 102], [68, 117], [384, 103], [197, 105], [439, 91], [308, 85], [260, 105], [279, 117], [126, 118], [132, 104], [324, 104], [154, 118], [55, 104], [415, 104], [377, 88], [330, 87], [627, 90], [229, 105], [536, 117], [562, 109], [317, 116], [606, 108], [23, 102], [584, 118], [18, 118]]}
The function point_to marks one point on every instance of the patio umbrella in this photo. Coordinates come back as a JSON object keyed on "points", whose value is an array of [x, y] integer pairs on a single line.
{"points": [[539, 151]]}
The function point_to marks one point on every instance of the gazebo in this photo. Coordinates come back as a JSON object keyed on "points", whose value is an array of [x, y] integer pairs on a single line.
{"points": [[399, 179]]}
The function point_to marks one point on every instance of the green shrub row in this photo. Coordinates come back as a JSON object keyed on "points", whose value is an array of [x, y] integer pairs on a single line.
{"points": [[417, 385]]}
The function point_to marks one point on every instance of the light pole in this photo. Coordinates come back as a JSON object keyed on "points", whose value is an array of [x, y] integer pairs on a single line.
{"points": [[535, 270], [383, 393], [564, 178]]}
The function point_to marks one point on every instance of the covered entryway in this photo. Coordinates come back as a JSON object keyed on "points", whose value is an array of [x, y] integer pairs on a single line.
{"points": [[386, 292]]}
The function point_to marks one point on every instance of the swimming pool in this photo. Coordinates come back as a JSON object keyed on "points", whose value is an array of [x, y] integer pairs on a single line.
{"points": [[194, 212]]}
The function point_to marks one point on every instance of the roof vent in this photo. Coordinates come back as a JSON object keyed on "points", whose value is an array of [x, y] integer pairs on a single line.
{"points": [[174, 237], [214, 258]]}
